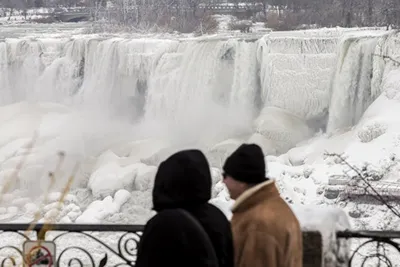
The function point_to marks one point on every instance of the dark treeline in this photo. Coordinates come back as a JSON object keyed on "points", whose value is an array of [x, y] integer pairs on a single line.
{"points": [[291, 13], [347, 13]]}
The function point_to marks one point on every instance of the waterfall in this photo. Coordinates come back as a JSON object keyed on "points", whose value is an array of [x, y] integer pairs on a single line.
{"points": [[295, 73], [4, 83], [351, 90], [200, 85], [195, 90]]}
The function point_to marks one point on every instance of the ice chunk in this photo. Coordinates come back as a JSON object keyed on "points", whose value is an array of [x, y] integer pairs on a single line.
{"points": [[111, 177], [282, 129], [99, 209]]}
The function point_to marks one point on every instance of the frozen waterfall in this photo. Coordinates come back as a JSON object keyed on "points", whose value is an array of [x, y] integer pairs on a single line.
{"points": [[87, 95], [357, 78]]}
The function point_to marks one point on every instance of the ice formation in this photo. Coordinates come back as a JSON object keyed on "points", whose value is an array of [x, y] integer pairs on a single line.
{"points": [[118, 106]]}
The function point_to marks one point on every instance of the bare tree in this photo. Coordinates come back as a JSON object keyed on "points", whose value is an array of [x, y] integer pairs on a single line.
{"points": [[370, 11], [12, 5], [322, 13]]}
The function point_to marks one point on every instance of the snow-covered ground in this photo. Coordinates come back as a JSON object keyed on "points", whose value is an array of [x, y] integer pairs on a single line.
{"points": [[118, 105]]}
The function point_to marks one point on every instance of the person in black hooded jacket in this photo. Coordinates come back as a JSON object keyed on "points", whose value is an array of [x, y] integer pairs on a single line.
{"points": [[183, 185]]}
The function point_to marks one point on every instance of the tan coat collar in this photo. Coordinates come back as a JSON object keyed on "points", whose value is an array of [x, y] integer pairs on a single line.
{"points": [[255, 194]]}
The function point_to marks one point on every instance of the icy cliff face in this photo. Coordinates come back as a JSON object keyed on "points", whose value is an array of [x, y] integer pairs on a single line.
{"points": [[295, 73], [357, 79]]}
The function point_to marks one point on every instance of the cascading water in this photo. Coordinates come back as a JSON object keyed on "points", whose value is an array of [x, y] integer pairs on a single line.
{"points": [[201, 85], [172, 89], [294, 75], [351, 91], [5, 96], [299, 68]]}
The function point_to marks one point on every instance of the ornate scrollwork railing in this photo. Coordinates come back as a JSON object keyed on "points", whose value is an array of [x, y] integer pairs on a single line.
{"points": [[80, 253], [373, 248], [116, 245]]}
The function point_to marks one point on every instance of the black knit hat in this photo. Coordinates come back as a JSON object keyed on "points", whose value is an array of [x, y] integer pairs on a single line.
{"points": [[246, 164]]}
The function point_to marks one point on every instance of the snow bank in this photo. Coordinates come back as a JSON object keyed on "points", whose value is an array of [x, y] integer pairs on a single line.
{"points": [[98, 210]]}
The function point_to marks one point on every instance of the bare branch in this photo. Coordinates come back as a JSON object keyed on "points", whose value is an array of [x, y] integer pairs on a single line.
{"points": [[363, 178]]}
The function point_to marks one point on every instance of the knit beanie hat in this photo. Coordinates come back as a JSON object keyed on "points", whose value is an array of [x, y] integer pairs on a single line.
{"points": [[246, 164]]}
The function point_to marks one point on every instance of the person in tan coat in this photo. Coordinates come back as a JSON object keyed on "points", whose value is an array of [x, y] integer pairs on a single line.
{"points": [[266, 232]]}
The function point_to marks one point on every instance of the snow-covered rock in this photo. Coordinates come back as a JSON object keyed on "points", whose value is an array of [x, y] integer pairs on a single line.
{"points": [[277, 126], [218, 153], [154, 159], [105, 158], [265, 143], [111, 177], [31, 208], [99, 209]]}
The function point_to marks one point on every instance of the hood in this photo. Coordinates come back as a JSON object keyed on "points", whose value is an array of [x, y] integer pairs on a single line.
{"points": [[182, 181]]}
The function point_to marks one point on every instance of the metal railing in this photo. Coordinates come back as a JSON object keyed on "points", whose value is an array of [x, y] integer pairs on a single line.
{"points": [[373, 248], [125, 237], [116, 245]]}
